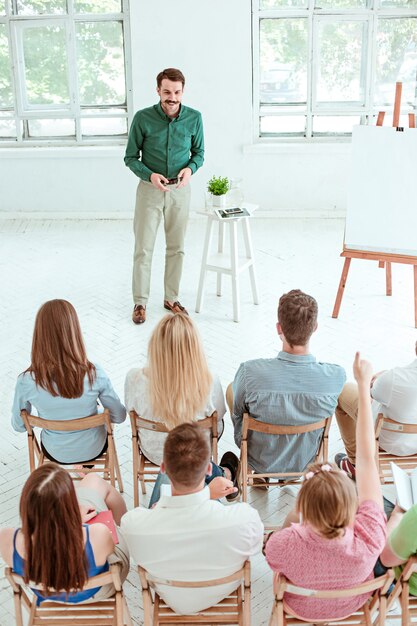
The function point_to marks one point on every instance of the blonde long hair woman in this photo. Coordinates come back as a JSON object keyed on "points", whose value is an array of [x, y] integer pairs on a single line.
{"points": [[176, 386]]}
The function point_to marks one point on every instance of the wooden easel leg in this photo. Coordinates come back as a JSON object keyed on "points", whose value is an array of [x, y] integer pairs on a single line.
{"points": [[397, 104], [380, 118], [388, 279], [342, 286], [411, 120], [415, 295]]}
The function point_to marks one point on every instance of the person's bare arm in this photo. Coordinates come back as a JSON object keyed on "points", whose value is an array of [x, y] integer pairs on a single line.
{"points": [[367, 475], [388, 557], [101, 542], [6, 545], [221, 487]]}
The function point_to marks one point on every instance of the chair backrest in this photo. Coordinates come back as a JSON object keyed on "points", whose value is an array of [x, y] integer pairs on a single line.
{"points": [[233, 609], [376, 588], [106, 612], [386, 423], [283, 585], [251, 424], [82, 423], [137, 422], [243, 574], [108, 460]]}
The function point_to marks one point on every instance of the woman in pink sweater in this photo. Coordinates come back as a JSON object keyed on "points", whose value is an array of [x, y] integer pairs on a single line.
{"points": [[339, 533]]}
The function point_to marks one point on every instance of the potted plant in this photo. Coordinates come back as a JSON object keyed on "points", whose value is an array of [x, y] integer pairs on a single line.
{"points": [[218, 186]]}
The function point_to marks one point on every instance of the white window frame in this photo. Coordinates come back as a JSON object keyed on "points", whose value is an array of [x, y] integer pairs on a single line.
{"points": [[367, 111], [24, 111]]}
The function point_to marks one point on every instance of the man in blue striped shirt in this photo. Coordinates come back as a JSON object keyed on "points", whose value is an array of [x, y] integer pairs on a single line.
{"points": [[291, 389]]}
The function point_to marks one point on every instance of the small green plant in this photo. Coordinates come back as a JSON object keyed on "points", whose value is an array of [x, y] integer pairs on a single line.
{"points": [[218, 186]]}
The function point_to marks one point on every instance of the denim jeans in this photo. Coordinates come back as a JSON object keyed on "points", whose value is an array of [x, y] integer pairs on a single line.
{"points": [[163, 479], [379, 568]]}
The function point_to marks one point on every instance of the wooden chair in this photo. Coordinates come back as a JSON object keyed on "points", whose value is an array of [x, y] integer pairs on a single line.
{"points": [[407, 463], [234, 609], [110, 612], [144, 471], [402, 591], [254, 425], [107, 463], [375, 605]]}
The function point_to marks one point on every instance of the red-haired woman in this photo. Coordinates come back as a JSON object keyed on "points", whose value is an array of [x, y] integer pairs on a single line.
{"points": [[62, 384], [53, 548]]}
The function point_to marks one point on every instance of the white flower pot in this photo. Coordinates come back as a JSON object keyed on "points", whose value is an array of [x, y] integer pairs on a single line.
{"points": [[220, 201]]}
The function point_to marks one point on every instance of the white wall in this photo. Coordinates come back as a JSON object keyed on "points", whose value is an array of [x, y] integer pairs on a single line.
{"points": [[210, 40]]}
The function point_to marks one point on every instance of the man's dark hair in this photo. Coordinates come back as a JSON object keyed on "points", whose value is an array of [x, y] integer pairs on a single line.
{"points": [[297, 314], [172, 74], [187, 453]]}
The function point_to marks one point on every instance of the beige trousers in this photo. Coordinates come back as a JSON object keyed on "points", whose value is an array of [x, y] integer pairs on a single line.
{"points": [[346, 416], [151, 206]]}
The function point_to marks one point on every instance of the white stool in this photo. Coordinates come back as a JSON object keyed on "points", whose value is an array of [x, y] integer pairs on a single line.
{"points": [[222, 264]]}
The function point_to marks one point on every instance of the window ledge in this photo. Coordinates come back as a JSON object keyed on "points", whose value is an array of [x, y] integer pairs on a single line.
{"points": [[70, 152], [341, 147]]}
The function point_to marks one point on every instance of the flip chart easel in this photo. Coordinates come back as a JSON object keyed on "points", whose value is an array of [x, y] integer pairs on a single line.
{"points": [[384, 259]]}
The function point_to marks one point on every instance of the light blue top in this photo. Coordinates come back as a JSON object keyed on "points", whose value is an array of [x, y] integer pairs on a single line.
{"points": [[289, 389], [69, 447]]}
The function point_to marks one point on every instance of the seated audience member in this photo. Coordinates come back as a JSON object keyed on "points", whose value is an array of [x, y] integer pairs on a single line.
{"points": [[190, 536], [176, 386], [338, 534], [54, 548], [394, 393], [62, 384], [401, 543], [290, 389]]}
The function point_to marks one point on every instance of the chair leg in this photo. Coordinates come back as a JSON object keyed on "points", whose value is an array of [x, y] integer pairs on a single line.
{"points": [[246, 607], [111, 461], [405, 610], [119, 609], [118, 473], [244, 471], [141, 474], [135, 456], [147, 607], [156, 610], [240, 606], [18, 609]]}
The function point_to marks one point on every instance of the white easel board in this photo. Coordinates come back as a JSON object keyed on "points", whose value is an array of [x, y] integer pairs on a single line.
{"points": [[382, 194]]}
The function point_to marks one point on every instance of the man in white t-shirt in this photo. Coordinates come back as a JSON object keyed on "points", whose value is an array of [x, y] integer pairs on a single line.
{"points": [[394, 393], [190, 536]]}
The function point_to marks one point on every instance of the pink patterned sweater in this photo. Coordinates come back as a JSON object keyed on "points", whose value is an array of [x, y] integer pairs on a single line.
{"points": [[309, 560]]}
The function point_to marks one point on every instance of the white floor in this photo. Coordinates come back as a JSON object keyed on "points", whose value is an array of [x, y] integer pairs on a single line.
{"points": [[89, 263]]}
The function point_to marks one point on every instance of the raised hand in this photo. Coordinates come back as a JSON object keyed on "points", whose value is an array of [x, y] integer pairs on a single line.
{"points": [[362, 370]]}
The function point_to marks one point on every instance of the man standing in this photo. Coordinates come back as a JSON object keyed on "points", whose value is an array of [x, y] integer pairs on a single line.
{"points": [[165, 148], [290, 389]]}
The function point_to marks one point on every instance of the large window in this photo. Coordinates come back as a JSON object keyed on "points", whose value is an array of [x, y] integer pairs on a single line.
{"points": [[63, 71], [322, 66]]}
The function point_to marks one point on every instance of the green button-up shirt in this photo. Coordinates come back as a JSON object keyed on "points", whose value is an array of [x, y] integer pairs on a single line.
{"points": [[159, 144]]}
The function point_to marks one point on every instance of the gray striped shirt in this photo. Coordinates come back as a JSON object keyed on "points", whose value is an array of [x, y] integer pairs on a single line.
{"points": [[289, 389]]}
